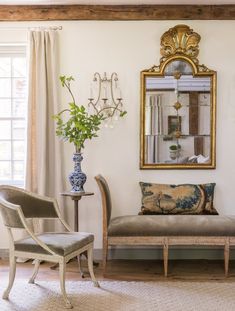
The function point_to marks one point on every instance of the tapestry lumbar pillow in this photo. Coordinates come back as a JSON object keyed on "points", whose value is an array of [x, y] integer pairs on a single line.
{"points": [[177, 199]]}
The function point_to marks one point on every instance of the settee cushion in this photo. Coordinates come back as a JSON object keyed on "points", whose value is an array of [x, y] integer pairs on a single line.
{"points": [[172, 225], [177, 199]]}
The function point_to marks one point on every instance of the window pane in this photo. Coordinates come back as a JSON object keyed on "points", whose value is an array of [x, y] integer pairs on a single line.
{"points": [[19, 107], [5, 87], [5, 67], [18, 128], [18, 150], [19, 87], [18, 170], [5, 129], [5, 170], [19, 67], [5, 107], [13, 110], [5, 150]]}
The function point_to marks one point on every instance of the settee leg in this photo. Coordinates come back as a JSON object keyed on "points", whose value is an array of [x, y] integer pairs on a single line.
{"points": [[226, 256], [165, 257], [105, 254]]}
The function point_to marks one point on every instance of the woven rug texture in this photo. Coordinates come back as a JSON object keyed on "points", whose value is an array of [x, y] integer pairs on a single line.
{"points": [[121, 296]]}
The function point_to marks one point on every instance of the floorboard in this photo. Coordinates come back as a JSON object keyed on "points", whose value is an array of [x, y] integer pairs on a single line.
{"points": [[144, 270]]}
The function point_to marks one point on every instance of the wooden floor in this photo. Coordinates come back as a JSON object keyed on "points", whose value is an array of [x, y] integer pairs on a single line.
{"points": [[203, 270]]}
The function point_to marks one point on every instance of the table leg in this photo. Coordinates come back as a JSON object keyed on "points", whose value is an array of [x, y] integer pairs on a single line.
{"points": [[76, 228]]}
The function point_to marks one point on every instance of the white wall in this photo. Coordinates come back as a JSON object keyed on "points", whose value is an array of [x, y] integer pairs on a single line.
{"points": [[127, 48]]}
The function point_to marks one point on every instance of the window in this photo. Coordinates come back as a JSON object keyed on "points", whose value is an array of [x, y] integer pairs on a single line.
{"points": [[13, 104]]}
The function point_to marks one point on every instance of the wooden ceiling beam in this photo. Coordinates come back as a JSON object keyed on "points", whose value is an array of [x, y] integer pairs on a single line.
{"points": [[116, 12]]}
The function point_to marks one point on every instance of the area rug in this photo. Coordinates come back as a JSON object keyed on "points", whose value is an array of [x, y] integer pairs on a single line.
{"points": [[122, 296]]}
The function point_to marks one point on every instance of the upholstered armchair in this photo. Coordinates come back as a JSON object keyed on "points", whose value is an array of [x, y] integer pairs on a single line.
{"points": [[17, 206]]}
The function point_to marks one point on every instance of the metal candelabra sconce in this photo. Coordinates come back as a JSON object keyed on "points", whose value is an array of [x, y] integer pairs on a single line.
{"points": [[106, 98]]}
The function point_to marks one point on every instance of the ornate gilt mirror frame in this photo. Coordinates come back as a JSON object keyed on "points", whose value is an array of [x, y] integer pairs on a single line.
{"points": [[179, 46]]}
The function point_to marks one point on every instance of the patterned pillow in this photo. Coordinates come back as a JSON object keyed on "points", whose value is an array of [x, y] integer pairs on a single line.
{"points": [[177, 199]]}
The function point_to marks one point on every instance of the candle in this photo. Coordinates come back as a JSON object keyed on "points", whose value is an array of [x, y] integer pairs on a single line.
{"points": [[105, 92], [119, 93], [91, 92]]}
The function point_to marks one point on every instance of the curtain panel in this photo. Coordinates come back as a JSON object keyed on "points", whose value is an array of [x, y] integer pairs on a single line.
{"points": [[153, 127], [44, 162]]}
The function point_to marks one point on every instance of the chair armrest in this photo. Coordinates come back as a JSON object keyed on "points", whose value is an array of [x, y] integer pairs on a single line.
{"points": [[10, 216], [33, 236], [33, 205], [13, 217], [53, 204]]}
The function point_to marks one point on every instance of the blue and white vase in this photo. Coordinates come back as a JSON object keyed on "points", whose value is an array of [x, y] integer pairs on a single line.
{"points": [[77, 178]]}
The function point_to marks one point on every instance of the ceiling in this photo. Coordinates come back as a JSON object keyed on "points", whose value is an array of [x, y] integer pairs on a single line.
{"points": [[115, 2]]}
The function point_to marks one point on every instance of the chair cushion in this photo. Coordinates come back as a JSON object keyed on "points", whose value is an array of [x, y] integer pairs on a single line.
{"points": [[61, 243], [177, 199], [172, 225]]}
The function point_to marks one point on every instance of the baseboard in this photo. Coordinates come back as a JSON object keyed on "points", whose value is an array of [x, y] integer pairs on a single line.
{"points": [[175, 253], [197, 252]]}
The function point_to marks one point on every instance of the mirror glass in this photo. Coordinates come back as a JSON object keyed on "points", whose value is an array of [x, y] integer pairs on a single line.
{"points": [[177, 116]]}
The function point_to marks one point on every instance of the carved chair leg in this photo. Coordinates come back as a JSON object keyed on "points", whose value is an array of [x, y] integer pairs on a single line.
{"points": [[35, 271], [12, 271], [105, 254], [90, 266], [80, 266], [62, 266], [165, 258], [226, 257]]}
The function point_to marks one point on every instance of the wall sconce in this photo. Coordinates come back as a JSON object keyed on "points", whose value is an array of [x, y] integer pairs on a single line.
{"points": [[106, 98]]}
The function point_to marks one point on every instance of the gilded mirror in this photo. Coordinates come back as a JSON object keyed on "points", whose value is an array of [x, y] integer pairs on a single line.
{"points": [[178, 106]]}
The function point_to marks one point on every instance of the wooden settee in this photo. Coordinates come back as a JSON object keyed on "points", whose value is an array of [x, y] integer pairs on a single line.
{"points": [[164, 230]]}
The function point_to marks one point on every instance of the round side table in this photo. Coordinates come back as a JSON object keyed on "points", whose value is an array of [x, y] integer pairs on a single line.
{"points": [[76, 196]]}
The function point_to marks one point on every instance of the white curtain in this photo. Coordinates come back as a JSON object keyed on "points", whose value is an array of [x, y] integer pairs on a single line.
{"points": [[153, 127], [44, 162]]}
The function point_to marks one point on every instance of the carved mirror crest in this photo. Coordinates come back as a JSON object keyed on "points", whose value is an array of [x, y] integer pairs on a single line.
{"points": [[178, 106]]}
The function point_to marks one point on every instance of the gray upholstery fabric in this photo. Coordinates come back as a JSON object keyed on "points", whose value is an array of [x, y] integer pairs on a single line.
{"points": [[172, 225], [32, 207], [61, 243], [10, 217], [103, 184]]}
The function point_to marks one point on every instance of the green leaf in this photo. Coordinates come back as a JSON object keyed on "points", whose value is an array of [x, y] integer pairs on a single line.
{"points": [[62, 80], [71, 78], [123, 113]]}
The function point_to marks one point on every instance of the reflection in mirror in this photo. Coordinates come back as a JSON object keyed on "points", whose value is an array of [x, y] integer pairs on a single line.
{"points": [[177, 119], [178, 99], [178, 66]]}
